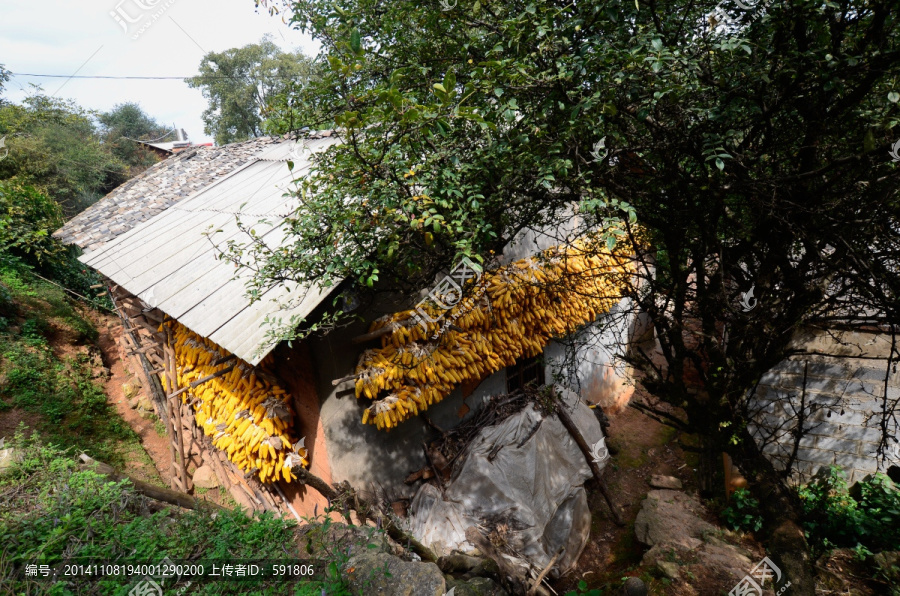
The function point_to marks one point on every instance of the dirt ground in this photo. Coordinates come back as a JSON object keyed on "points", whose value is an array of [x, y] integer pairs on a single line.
{"points": [[151, 463], [643, 448]]}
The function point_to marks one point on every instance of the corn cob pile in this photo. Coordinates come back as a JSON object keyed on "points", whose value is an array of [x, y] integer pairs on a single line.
{"points": [[248, 417], [518, 310]]}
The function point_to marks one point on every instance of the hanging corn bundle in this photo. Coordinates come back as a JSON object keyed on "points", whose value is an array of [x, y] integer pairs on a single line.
{"points": [[248, 417], [514, 313]]}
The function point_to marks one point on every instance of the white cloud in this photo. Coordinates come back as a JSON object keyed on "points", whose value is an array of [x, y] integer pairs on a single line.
{"points": [[59, 36]]}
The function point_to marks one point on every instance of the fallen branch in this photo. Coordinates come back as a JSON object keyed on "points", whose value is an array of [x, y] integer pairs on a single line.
{"points": [[510, 578], [361, 506], [537, 582], [148, 490]]}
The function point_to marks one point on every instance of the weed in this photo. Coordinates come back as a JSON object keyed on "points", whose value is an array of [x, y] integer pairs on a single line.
{"points": [[583, 590], [743, 513], [867, 516]]}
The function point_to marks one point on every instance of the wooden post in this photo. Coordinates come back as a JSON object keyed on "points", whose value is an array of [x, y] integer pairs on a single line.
{"points": [[176, 408], [156, 390]]}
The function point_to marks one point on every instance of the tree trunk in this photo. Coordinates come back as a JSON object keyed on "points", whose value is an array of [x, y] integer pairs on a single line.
{"points": [[781, 521]]}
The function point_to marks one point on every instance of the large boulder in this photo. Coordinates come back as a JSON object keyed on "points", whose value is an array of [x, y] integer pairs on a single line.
{"points": [[381, 574], [672, 518]]}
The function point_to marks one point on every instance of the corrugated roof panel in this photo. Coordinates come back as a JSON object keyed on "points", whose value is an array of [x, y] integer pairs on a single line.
{"points": [[170, 260]]}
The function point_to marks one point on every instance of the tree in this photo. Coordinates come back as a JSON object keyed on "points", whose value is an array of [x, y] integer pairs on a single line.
{"points": [[54, 146], [4, 78], [745, 149], [251, 91], [122, 127]]}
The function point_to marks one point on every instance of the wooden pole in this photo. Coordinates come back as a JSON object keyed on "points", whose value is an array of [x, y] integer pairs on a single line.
{"points": [[205, 379], [175, 404], [567, 422]]}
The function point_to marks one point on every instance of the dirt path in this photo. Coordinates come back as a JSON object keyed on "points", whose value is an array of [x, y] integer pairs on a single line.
{"points": [[155, 469], [151, 460], [645, 448]]}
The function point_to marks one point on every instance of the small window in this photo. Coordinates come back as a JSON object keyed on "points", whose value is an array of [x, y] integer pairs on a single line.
{"points": [[524, 372]]}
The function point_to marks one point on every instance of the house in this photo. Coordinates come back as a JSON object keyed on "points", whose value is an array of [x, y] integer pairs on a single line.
{"points": [[169, 148], [187, 316]]}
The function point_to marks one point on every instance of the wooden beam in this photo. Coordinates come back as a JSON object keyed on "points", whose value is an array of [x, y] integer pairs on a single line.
{"points": [[144, 488], [386, 330], [337, 382]]}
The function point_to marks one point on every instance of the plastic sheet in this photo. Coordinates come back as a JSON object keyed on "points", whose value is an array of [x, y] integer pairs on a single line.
{"points": [[533, 485]]}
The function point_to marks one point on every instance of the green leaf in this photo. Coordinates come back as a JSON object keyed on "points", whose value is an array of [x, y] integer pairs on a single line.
{"points": [[720, 164], [355, 42], [449, 81], [439, 87]]}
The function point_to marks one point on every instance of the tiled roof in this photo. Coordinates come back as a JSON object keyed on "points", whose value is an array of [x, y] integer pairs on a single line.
{"points": [[171, 261], [156, 189]]}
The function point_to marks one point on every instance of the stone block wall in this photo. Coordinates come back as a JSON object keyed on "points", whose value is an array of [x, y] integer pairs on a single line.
{"points": [[839, 406]]}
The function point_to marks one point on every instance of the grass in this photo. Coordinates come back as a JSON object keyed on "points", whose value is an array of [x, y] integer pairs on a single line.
{"points": [[72, 408], [52, 512]]}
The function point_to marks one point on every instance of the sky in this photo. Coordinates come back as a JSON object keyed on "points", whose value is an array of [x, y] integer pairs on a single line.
{"points": [[134, 38]]}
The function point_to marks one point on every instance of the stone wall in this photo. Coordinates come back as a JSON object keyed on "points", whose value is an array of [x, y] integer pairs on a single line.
{"points": [[837, 396]]}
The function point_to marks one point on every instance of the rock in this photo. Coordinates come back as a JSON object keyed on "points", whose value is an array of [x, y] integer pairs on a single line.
{"points": [[131, 388], [9, 457], [725, 557], [634, 586], [367, 573], [671, 517], [667, 482], [889, 564], [669, 569], [144, 403], [477, 586], [205, 477]]}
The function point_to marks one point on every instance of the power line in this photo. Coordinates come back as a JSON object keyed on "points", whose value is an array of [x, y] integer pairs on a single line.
{"points": [[50, 76], [130, 78]]}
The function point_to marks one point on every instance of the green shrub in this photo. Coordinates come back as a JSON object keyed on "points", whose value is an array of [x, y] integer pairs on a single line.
{"points": [[743, 513], [50, 511], [27, 220], [868, 516]]}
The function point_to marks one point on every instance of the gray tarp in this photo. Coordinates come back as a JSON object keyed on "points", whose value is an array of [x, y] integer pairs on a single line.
{"points": [[535, 489]]}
